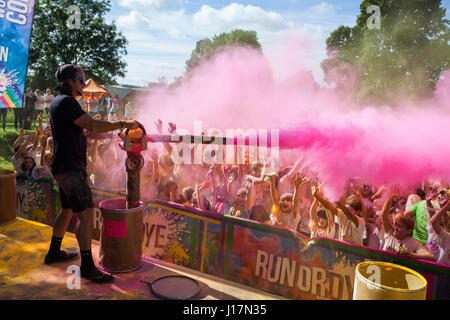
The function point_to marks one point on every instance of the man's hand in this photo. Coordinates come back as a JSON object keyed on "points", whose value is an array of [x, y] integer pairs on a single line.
{"points": [[130, 124]]}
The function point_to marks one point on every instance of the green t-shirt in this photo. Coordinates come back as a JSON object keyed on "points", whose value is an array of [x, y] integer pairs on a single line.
{"points": [[420, 232]]}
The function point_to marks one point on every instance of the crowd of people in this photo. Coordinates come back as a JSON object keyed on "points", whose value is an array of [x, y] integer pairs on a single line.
{"points": [[414, 222], [37, 105], [33, 151]]}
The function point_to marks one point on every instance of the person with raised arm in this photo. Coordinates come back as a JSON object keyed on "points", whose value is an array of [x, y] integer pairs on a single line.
{"points": [[350, 216], [439, 232], [398, 235], [321, 222], [285, 209]]}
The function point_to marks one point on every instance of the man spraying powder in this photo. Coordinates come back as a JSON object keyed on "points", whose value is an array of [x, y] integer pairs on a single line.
{"points": [[68, 167]]}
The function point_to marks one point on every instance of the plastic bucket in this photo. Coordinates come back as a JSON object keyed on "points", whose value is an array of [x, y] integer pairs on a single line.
{"points": [[121, 236], [8, 196], [376, 280]]}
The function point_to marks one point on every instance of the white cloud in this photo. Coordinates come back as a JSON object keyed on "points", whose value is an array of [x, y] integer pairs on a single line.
{"points": [[169, 36], [235, 15], [324, 8], [133, 21]]}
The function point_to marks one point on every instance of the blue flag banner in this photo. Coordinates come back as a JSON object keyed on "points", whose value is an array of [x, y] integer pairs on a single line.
{"points": [[16, 20]]}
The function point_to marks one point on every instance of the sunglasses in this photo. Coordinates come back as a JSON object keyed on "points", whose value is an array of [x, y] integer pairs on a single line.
{"points": [[83, 82]]}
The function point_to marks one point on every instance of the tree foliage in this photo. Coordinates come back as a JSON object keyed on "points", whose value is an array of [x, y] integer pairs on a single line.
{"points": [[405, 57], [96, 46], [206, 48]]}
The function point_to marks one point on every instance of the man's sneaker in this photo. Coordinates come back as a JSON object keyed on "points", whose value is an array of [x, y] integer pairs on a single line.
{"points": [[96, 275], [60, 257]]}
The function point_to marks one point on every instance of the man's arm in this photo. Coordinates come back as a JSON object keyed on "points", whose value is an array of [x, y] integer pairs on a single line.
{"points": [[436, 219], [19, 138], [385, 212], [274, 193], [341, 205], [86, 122], [324, 202], [299, 181]]}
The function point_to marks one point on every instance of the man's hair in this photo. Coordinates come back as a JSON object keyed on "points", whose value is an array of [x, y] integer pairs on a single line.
{"points": [[65, 72]]}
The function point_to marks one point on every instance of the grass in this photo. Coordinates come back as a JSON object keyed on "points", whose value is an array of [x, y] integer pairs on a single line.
{"points": [[7, 139]]}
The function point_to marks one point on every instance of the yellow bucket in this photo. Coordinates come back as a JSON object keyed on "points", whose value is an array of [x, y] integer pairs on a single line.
{"points": [[375, 280], [8, 196]]}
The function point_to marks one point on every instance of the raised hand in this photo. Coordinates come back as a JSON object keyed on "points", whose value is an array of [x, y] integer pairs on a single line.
{"points": [[316, 189], [395, 190], [300, 179], [172, 127], [432, 194], [159, 125]]}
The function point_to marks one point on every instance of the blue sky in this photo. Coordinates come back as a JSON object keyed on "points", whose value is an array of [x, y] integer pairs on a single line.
{"points": [[162, 33]]}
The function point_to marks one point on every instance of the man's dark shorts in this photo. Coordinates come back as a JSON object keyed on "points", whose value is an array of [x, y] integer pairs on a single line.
{"points": [[74, 190]]}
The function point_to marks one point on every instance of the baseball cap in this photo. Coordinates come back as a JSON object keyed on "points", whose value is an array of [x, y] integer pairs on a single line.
{"points": [[66, 71]]}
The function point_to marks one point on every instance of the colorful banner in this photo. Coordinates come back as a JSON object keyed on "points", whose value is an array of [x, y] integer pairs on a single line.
{"points": [[250, 253], [16, 20], [37, 200]]}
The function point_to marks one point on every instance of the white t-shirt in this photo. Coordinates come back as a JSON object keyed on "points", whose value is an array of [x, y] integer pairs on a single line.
{"points": [[286, 220], [48, 98], [17, 163], [375, 236], [348, 231], [92, 105], [392, 244], [443, 242], [39, 105]]}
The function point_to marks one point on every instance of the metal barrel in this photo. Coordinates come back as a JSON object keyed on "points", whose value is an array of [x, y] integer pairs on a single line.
{"points": [[375, 280], [121, 236], [8, 196]]}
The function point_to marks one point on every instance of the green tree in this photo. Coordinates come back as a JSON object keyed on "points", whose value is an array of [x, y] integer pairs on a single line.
{"points": [[206, 48], [96, 46], [405, 57]]}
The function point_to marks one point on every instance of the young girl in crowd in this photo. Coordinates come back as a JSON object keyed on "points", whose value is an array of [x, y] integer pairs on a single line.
{"points": [[285, 209], [321, 222]]}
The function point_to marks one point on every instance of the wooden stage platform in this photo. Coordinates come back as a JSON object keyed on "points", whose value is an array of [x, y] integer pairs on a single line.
{"points": [[24, 276]]}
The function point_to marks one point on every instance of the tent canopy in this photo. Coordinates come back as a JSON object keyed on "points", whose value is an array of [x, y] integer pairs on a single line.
{"points": [[94, 87]]}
